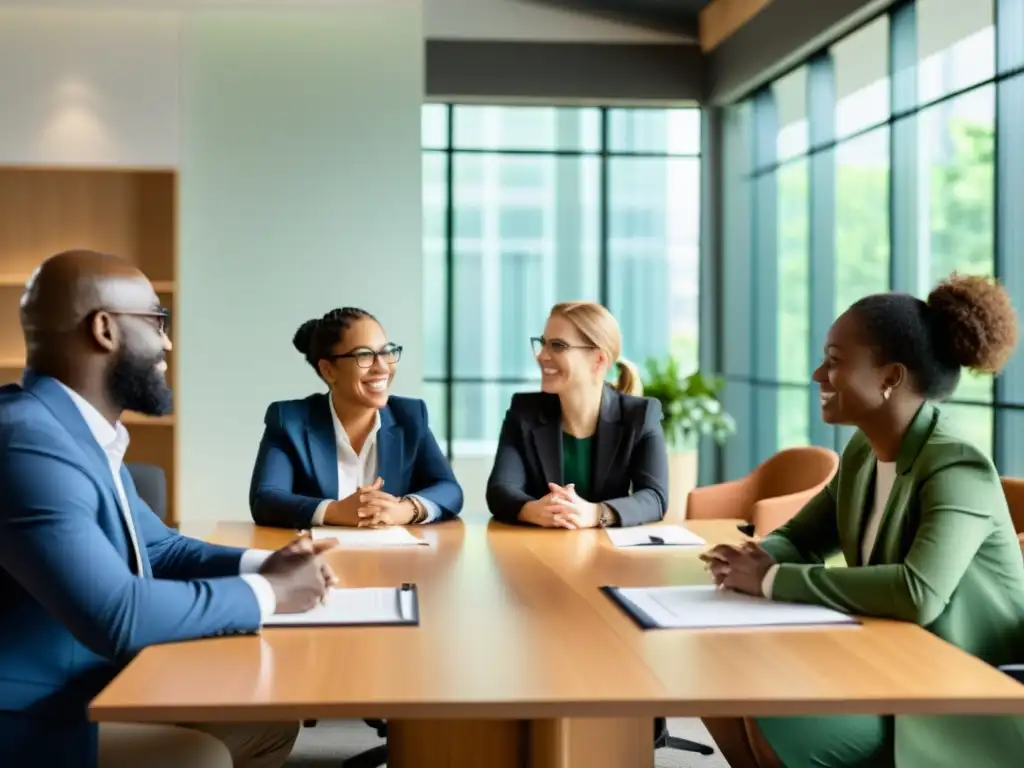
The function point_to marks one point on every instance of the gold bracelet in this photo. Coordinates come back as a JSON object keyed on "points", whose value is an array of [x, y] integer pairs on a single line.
{"points": [[420, 513]]}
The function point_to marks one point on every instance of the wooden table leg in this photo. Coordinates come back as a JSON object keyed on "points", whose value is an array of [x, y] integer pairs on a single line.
{"points": [[456, 743], [592, 743]]}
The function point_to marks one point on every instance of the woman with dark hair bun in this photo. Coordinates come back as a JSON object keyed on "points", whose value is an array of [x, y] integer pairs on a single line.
{"points": [[357, 455], [919, 516]]}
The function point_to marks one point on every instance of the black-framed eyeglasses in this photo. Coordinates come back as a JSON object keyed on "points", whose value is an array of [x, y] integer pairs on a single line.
{"points": [[366, 357], [555, 346], [160, 316]]}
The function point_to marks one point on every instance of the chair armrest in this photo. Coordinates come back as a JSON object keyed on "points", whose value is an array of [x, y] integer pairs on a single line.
{"points": [[769, 514], [720, 501], [1016, 671]]}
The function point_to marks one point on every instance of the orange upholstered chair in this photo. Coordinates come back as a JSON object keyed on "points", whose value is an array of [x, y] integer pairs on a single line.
{"points": [[771, 494], [1014, 489]]}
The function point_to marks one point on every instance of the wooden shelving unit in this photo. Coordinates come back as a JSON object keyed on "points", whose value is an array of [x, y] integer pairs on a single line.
{"points": [[131, 213]]}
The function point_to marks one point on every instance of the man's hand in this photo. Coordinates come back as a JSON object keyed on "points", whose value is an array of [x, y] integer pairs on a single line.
{"points": [[346, 511], [739, 568], [298, 575], [561, 508], [378, 509]]}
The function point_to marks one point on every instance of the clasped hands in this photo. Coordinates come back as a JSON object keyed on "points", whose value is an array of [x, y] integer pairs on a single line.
{"points": [[370, 507], [562, 507], [741, 568]]}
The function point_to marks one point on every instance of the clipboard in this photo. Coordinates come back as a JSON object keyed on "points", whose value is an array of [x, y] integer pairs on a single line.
{"points": [[357, 607], [640, 616], [708, 607]]}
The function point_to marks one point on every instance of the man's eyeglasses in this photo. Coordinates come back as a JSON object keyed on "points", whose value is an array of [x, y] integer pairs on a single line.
{"points": [[161, 317], [365, 357], [555, 346]]}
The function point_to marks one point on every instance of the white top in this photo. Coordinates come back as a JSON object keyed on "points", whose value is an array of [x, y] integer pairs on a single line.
{"points": [[885, 476], [114, 440], [356, 470]]}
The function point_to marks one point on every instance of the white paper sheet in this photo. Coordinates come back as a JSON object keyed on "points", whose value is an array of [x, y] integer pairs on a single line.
{"points": [[697, 607], [364, 605], [654, 535], [369, 538]]}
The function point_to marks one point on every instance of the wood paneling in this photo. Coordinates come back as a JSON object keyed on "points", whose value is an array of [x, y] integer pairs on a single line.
{"points": [[129, 213], [720, 18]]}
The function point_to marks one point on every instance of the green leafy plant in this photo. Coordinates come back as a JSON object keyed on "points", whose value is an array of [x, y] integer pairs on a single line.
{"points": [[690, 404]]}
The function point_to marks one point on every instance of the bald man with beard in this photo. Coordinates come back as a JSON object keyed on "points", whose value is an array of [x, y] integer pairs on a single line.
{"points": [[89, 575]]}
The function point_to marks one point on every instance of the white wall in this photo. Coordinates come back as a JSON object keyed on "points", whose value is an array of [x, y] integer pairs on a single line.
{"points": [[300, 191], [88, 88]]}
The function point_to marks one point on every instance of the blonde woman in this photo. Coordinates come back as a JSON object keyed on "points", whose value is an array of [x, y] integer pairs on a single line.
{"points": [[581, 453]]}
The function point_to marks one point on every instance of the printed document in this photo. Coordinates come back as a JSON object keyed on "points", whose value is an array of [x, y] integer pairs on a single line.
{"points": [[707, 606], [654, 535], [369, 538], [366, 605]]}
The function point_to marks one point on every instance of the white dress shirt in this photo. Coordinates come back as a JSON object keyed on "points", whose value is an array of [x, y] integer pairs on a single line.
{"points": [[114, 439], [356, 470], [885, 477]]}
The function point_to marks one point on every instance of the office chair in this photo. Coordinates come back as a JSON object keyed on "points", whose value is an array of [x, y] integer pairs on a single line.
{"points": [[151, 485], [664, 740], [371, 758], [1016, 671]]}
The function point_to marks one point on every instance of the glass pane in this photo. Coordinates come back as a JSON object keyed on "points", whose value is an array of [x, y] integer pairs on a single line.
{"points": [[477, 413], [654, 256], [527, 232], [435, 272], [972, 422], [737, 401], [433, 395], [794, 273], [794, 416], [434, 126], [527, 128], [861, 64], [956, 194], [862, 218], [1011, 434], [791, 103], [955, 46], [664, 131]]}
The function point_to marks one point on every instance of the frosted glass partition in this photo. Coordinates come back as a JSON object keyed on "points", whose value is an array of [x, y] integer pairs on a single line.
{"points": [[299, 191]]}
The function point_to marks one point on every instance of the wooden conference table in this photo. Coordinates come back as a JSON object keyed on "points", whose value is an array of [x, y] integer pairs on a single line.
{"points": [[520, 660]]}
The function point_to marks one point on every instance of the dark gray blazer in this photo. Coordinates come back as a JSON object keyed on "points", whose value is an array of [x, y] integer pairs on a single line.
{"points": [[630, 464]]}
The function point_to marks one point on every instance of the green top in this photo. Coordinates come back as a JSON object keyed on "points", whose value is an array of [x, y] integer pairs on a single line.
{"points": [[576, 462], [947, 558]]}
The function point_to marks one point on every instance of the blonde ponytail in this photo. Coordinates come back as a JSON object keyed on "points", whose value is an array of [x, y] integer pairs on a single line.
{"points": [[629, 381]]}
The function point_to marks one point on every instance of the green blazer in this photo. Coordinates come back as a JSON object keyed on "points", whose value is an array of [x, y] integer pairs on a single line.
{"points": [[946, 557]]}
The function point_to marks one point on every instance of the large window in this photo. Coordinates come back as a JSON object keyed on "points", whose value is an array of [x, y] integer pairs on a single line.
{"points": [[887, 161], [528, 206]]}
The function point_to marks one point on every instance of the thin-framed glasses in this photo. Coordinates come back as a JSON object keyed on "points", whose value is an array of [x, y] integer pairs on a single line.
{"points": [[555, 346], [161, 317], [366, 357]]}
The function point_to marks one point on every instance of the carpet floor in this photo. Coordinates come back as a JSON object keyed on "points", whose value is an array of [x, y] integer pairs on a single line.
{"points": [[332, 741]]}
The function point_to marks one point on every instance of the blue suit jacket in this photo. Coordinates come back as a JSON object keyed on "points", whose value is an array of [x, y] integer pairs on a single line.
{"points": [[72, 612], [297, 464]]}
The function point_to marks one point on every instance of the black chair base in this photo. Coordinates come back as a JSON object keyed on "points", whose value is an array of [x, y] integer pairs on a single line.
{"points": [[685, 745], [371, 758], [663, 740]]}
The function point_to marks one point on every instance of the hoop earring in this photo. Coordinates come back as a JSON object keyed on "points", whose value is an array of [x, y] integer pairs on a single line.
{"points": [[886, 393]]}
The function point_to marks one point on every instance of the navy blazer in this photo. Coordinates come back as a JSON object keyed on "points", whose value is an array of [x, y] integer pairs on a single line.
{"points": [[72, 612], [297, 463], [630, 462]]}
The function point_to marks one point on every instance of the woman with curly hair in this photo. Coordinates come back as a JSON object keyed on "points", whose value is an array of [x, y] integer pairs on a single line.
{"points": [[920, 518]]}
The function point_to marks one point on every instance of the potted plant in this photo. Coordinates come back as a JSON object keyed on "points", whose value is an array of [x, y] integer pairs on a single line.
{"points": [[690, 409]]}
